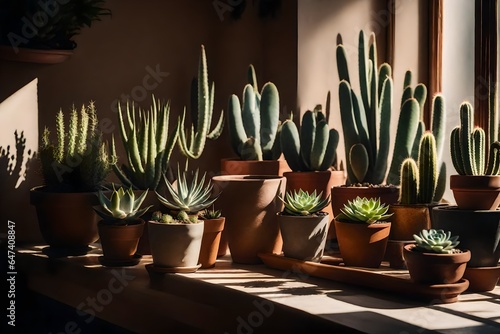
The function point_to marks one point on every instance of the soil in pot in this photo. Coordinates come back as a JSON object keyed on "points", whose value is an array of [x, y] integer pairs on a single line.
{"points": [[431, 268], [362, 245], [210, 241], [304, 237]]}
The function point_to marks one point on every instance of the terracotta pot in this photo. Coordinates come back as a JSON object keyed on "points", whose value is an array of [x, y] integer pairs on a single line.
{"points": [[340, 195], [430, 268], [304, 237], [151, 199], [210, 241], [66, 220], [250, 204], [119, 242], [253, 167], [476, 192], [479, 232], [319, 181], [482, 279], [408, 220], [175, 245], [362, 245]]}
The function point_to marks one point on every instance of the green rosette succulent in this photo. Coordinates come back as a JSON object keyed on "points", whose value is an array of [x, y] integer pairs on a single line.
{"points": [[122, 207], [364, 210], [436, 241], [303, 203]]}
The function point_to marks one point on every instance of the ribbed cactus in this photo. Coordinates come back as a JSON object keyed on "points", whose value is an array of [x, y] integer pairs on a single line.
{"points": [[468, 147], [148, 144], [419, 185], [254, 125], [79, 162], [192, 145], [315, 149], [366, 119]]}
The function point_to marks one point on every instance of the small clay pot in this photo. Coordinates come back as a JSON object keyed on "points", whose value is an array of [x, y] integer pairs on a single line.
{"points": [[119, 242], [253, 167], [362, 245], [482, 279], [408, 220], [210, 241], [431, 268], [476, 192]]}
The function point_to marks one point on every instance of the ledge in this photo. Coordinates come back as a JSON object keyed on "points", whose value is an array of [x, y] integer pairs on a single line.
{"points": [[232, 298]]}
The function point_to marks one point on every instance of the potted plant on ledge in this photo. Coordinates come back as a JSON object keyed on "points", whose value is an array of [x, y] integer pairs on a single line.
{"points": [[303, 225], [434, 258], [362, 232], [120, 227]]}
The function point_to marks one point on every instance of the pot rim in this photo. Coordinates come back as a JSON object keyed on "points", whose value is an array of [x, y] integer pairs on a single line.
{"points": [[409, 248], [378, 223], [247, 178], [200, 222], [455, 208]]}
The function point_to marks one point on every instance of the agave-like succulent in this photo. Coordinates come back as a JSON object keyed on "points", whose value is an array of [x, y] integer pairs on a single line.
{"points": [[436, 241], [192, 196], [210, 214], [122, 207], [364, 210], [181, 218], [301, 203]]}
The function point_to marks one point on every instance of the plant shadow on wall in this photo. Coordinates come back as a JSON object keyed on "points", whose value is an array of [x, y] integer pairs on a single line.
{"points": [[16, 177], [47, 25]]}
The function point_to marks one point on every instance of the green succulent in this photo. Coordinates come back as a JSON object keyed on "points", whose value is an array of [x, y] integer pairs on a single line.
{"points": [[122, 207], [364, 210], [181, 218], [436, 241], [192, 196], [210, 214], [301, 203]]}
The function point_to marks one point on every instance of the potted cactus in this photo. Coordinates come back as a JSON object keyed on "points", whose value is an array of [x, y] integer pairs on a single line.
{"points": [[214, 225], [73, 168], [121, 226], [366, 122], [363, 231], [254, 131], [311, 154], [434, 258], [175, 237], [303, 225], [476, 217], [202, 103], [477, 185]]}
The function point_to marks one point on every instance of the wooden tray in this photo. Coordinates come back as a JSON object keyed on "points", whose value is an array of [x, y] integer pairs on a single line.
{"points": [[383, 278]]}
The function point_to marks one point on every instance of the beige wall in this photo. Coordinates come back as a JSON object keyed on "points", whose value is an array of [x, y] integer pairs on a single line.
{"points": [[113, 57]]}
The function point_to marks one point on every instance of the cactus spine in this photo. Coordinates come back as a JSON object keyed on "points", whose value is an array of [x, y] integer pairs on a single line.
{"points": [[419, 185], [148, 144], [468, 150], [365, 118], [315, 148], [192, 146], [254, 124], [79, 161]]}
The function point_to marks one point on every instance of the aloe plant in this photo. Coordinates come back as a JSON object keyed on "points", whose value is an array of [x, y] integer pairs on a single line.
{"points": [[364, 210], [191, 196], [303, 203], [468, 147], [315, 149], [254, 124], [192, 145], [148, 144], [436, 241], [122, 207], [79, 161]]}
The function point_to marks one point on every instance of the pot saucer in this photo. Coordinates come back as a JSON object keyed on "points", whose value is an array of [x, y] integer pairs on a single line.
{"points": [[120, 263], [151, 268], [482, 279]]}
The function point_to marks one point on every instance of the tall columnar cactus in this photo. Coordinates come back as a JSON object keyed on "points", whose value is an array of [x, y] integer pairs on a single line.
{"points": [[365, 119], [419, 185], [148, 144], [192, 145], [315, 148], [468, 147], [254, 125], [79, 161]]}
